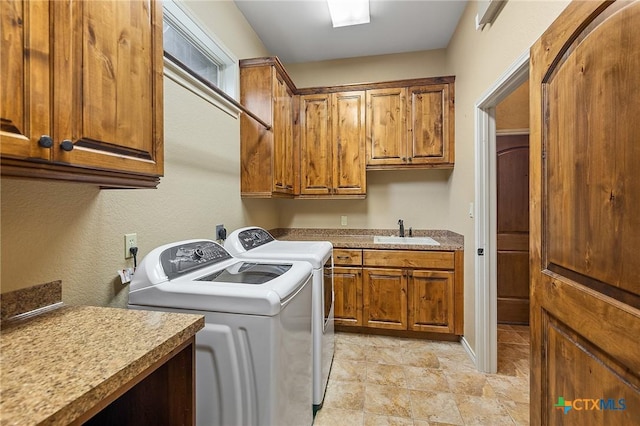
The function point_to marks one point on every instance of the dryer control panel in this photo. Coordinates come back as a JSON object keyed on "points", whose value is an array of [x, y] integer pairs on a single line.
{"points": [[254, 237], [188, 257]]}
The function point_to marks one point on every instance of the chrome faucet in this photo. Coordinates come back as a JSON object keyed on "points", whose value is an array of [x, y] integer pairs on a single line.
{"points": [[401, 223]]}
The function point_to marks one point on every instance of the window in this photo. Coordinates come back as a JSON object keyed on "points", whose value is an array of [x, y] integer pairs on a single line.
{"points": [[192, 55], [181, 48]]}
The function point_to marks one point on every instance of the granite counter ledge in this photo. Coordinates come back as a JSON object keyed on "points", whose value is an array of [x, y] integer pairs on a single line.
{"points": [[58, 366], [363, 238]]}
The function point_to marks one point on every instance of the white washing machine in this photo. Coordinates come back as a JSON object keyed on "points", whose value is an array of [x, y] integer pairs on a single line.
{"points": [[258, 243], [254, 355]]}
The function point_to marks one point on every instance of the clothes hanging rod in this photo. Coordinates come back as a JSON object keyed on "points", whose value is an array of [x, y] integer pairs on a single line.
{"points": [[217, 90]]}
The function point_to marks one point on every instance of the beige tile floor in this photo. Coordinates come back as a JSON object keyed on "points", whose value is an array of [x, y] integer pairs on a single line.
{"points": [[379, 380]]}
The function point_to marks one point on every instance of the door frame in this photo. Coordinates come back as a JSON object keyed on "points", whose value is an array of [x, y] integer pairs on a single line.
{"points": [[486, 212]]}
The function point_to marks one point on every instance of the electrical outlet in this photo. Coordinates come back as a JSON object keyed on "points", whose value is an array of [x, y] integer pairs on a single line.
{"points": [[221, 233], [343, 220], [130, 240]]}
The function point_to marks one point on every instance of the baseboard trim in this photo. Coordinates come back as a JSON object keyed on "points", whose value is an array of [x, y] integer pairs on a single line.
{"points": [[468, 349]]}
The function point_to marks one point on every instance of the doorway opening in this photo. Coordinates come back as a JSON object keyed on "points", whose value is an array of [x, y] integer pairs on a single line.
{"points": [[486, 263], [512, 192]]}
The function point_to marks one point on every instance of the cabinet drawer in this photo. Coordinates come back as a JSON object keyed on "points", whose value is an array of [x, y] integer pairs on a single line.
{"points": [[409, 259], [347, 257]]}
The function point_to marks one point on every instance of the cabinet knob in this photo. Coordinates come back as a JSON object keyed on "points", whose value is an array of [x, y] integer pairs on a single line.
{"points": [[404, 159], [45, 141], [410, 159], [66, 145]]}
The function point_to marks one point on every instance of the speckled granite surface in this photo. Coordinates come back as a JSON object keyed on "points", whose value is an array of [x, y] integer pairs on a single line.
{"points": [[28, 299], [58, 365], [363, 238]]}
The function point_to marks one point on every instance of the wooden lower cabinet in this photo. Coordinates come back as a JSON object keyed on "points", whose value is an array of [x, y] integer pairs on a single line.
{"points": [[385, 298], [407, 299], [406, 290], [431, 301], [347, 287]]}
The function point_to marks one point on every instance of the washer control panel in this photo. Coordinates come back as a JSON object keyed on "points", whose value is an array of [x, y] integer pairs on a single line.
{"points": [[254, 237], [185, 258]]}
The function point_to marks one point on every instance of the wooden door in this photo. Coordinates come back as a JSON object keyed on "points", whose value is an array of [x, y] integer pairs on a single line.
{"points": [[585, 227], [430, 111], [386, 126], [347, 285], [385, 298], [316, 153], [431, 301], [512, 188], [348, 126], [25, 104], [107, 84]]}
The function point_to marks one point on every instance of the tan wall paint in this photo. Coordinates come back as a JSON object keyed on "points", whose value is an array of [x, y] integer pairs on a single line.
{"points": [[513, 112], [227, 23], [369, 69], [75, 232], [429, 199], [478, 59]]}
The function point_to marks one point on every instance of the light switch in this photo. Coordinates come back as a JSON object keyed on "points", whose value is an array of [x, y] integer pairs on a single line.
{"points": [[343, 220]]}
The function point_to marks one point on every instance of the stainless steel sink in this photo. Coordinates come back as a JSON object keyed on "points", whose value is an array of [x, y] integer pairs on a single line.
{"points": [[422, 241]]}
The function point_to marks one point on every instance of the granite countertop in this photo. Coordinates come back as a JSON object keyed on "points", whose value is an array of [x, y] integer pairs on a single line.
{"points": [[363, 238], [58, 365]]}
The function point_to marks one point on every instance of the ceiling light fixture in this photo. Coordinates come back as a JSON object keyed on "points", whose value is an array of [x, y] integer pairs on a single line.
{"points": [[348, 12]]}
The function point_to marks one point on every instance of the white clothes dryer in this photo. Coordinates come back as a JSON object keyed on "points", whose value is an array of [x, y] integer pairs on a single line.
{"points": [[257, 243], [253, 357]]}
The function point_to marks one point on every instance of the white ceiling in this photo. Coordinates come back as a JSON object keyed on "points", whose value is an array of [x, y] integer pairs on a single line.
{"points": [[301, 30]]}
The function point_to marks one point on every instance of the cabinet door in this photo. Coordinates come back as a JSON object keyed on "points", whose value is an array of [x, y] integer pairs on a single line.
{"points": [[347, 284], [316, 152], [430, 112], [386, 129], [348, 125], [282, 157], [385, 298], [107, 84], [25, 104], [431, 301]]}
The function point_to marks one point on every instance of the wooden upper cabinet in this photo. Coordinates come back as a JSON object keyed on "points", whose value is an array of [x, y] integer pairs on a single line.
{"points": [[332, 160], [25, 104], [316, 147], [89, 76], [411, 125], [333, 135], [431, 128], [266, 155], [282, 159], [348, 124], [386, 126]]}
